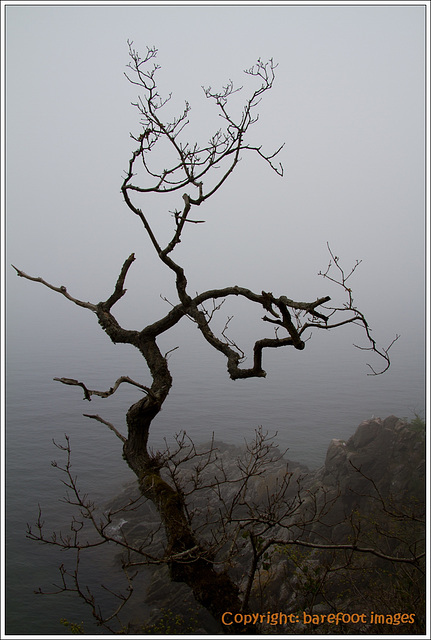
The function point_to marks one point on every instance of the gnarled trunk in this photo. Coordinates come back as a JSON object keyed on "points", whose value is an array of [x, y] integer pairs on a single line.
{"points": [[187, 559]]}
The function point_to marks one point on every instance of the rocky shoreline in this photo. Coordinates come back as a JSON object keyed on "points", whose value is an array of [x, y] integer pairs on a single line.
{"points": [[371, 485]]}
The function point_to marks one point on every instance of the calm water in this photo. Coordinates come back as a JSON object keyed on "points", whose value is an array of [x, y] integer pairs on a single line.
{"points": [[308, 398]]}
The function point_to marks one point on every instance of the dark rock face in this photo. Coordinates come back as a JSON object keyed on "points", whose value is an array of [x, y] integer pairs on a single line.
{"points": [[383, 459]]}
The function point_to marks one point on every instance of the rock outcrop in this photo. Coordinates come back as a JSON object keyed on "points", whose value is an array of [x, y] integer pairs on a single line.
{"points": [[383, 463]]}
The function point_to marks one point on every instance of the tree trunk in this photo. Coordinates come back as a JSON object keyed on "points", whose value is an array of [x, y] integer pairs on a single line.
{"points": [[187, 559]]}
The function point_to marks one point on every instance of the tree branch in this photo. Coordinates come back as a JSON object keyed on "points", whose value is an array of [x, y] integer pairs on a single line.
{"points": [[350, 547], [103, 394], [119, 290], [62, 289], [108, 424]]}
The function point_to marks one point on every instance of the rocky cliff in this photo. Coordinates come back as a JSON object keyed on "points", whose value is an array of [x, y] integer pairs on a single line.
{"points": [[374, 486]]}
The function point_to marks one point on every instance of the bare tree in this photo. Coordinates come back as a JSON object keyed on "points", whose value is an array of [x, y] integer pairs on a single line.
{"points": [[201, 170]]}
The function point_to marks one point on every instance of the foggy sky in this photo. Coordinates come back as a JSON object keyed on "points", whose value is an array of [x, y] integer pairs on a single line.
{"points": [[348, 102]]}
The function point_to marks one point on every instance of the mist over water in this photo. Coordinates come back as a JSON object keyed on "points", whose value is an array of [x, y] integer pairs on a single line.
{"points": [[308, 398]]}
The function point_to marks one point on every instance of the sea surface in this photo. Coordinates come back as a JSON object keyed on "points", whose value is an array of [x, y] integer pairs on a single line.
{"points": [[307, 399]]}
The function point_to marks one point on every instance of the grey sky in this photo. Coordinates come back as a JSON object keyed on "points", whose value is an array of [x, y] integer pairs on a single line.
{"points": [[348, 101]]}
